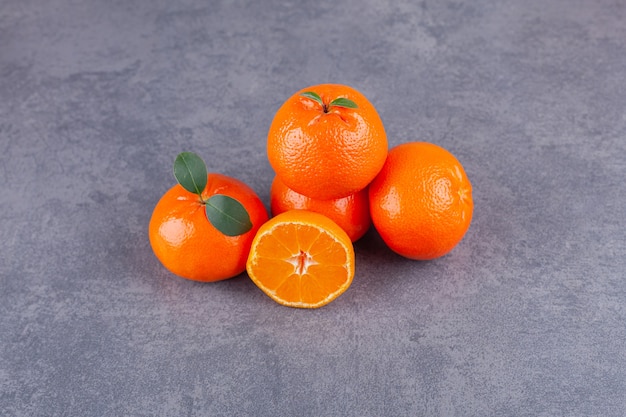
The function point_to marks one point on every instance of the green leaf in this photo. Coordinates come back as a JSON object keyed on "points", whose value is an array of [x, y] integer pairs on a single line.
{"points": [[190, 172], [344, 102], [313, 96], [228, 215]]}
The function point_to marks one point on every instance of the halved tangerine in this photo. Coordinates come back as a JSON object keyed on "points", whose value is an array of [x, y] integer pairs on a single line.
{"points": [[301, 259]]}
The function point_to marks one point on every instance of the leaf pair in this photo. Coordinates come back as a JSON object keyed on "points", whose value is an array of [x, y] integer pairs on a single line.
{"points": [[225, 213], [338, 102]]}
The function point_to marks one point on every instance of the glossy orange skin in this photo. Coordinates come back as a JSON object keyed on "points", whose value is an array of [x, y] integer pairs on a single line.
{"points": [[421, 202], [327, 155], [351, 213], [188, 245]]}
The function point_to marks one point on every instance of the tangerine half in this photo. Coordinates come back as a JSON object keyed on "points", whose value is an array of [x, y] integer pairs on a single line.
{"points": [[301, 259]]}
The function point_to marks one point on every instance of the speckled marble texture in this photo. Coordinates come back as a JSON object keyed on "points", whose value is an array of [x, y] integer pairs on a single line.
{"points": [[526, 317]]}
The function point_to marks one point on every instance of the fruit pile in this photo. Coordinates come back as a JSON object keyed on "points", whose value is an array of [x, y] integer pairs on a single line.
{"points": [[335, 176]]}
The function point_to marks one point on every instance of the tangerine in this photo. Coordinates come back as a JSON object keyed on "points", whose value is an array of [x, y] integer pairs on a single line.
{"points": [[351, 213], [189, 245], [327, 141], [421, 201], [301, 259]]}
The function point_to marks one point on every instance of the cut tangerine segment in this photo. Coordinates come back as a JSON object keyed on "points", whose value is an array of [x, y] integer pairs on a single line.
{"points": [[301, 259]]}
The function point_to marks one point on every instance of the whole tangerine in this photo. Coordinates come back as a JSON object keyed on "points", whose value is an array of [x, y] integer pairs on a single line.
{"points": [[351, 213], [189, 245], [421, 201], [327, 141]]}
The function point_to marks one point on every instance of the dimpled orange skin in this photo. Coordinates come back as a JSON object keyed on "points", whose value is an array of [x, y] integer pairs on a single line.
{"points": [[327, 155], [421, 202], [188, 245], [351, 213]]}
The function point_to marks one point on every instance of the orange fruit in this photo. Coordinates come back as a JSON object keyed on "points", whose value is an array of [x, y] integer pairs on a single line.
{"points": [[189, 245], [351, 213], [301, 259], [327, 141], [421, 201]]}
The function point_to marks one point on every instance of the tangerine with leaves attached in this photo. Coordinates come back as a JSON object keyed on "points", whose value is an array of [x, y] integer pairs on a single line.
{"points": [[327, 141], [202, 228]]}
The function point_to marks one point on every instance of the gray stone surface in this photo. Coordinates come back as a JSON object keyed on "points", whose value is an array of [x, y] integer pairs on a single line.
{"points": [[526, 317]]}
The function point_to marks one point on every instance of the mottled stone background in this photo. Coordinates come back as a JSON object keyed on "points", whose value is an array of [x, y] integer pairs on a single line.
{"points": [[526, 317]]}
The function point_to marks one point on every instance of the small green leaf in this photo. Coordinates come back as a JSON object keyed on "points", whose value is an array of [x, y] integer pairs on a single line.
{"points": [[190, 172], [228, 215], [313, 96], [344, 102]]}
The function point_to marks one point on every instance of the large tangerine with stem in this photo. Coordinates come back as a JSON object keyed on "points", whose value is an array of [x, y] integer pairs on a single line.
{"points": [[327, 141]]}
